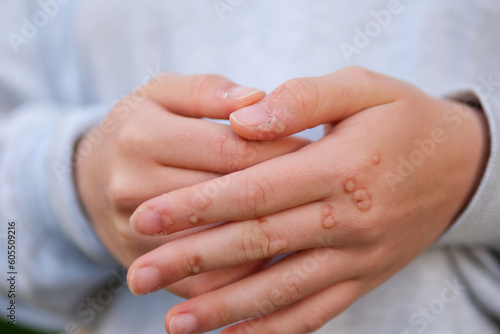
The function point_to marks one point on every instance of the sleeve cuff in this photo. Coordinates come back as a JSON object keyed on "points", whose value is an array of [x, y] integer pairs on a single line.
{"points": [[64, 199], [479, 223]]}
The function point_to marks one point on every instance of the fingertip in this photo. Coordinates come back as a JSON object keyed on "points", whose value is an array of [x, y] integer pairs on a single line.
{"points": [[257, 123], [144, 280], [239, 93], [237, 97], [242, 130], [182, 323], [147, 222], [184, 318], [251, 117]]}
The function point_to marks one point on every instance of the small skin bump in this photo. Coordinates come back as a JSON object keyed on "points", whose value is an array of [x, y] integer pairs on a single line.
{"points": [[201, 202], [167, 222], [195, 264], [193, 219], [362, 200], [223, 139], [376, 159], [262, 220], [349, 185], [327, 217]]}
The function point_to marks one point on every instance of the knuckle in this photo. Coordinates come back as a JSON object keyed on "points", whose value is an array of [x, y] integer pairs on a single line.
{"points": [[285, 290], [234, 152], [254, 243], [239, 153], [360, 73], [129, 139], [252, 195], [258, 242], [124, 232], [375, 83], [203, 84], [302, 92], [202, 88], [120, 194], [225, 313]]}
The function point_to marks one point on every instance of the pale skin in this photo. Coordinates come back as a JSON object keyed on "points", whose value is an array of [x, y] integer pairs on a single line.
{"points": [[341, 204], [154, 143]]}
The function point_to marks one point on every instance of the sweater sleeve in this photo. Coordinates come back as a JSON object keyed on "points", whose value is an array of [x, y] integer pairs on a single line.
{"points": [[59, 262], [479, 223]]}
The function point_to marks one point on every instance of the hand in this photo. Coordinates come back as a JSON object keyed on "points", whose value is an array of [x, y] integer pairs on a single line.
{"points": [[153, 143], [394, 169]]}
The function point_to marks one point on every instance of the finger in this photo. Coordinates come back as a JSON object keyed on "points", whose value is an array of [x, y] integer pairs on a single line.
{"points": [[260, 190], [305, 316], [206, 282], [304, 103], [309, 226], [203, 145], [126, 196], [210, 95], [288, 281]]}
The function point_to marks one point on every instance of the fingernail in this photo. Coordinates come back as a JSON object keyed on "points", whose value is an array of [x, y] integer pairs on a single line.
{"points": [[183, 323], [240, 92], [251, 116], [147, 222], [145, 280]]}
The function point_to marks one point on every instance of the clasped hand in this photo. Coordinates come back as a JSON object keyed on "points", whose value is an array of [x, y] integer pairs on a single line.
{"points": [[394, 169]]}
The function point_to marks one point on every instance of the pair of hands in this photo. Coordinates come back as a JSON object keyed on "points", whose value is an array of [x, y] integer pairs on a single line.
{"points": [[394, 168], [154, 143]]}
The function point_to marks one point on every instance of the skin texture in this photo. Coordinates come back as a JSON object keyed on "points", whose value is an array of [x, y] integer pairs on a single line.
{"points": [[153, 143], [394, 169]]}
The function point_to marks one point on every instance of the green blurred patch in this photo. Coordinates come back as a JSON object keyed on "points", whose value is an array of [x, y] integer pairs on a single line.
{"points": [[5, 328]]}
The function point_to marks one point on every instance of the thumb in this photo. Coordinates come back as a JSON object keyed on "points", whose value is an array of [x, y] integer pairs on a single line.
{"points": [[304, 103], [209, 95]]}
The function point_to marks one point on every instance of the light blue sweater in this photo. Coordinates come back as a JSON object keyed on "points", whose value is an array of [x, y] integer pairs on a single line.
{"points": [[63, 63]]}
